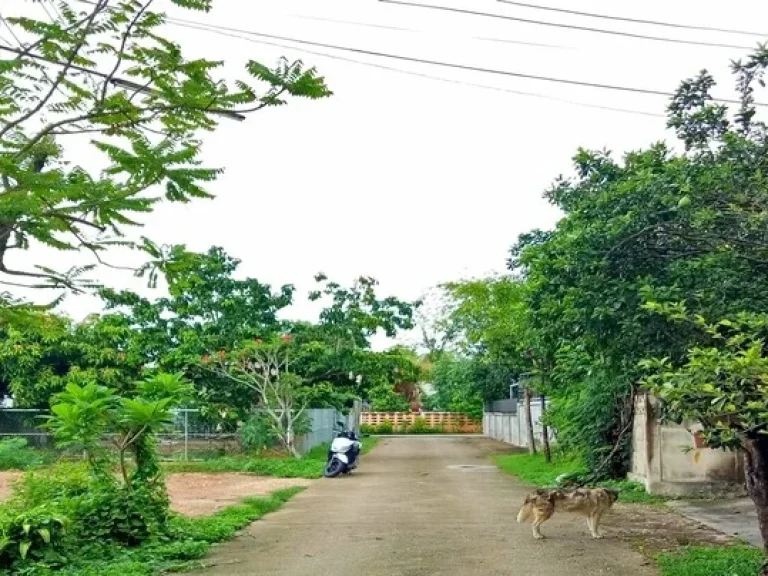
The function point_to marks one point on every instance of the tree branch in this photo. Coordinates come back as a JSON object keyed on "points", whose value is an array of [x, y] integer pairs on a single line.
{"points": [[121, 51], [61, 75]]}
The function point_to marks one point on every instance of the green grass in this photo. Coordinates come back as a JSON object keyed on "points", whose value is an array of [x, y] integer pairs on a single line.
{"points": [[195, 536], [310, 466], [533, 469], [708, 561], [17, 454]]}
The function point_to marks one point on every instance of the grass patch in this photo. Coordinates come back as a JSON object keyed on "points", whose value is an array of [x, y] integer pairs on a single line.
{"points": [[16, 454], [310, 466], [708, 561], [194, 537], [533, 469]]}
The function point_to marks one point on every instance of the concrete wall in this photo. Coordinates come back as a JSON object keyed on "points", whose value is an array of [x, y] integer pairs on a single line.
{"points": [[323, 425], [511, 427], [668, 459]]}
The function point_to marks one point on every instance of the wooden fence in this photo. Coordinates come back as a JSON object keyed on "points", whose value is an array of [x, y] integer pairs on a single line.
{"points": [[449, 422]]}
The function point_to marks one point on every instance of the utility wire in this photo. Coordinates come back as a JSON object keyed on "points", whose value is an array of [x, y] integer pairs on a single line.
{"points": [[398, 29], [438, 63], [633, 20], [351, 23], [567, 26], [204, 28]]}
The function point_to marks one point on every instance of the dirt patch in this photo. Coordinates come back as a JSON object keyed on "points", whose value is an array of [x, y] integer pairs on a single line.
{"points": [[7, 479], [200, 494], [654, 529]]}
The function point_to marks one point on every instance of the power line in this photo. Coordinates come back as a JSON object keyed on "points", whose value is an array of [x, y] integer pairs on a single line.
{"points": [[351, 23], [204, 28], [398, 29], [438, 63], [633, 20], [567, 26]]}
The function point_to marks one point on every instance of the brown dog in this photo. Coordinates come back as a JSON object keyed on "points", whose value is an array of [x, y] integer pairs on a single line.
{"points": [[590, 502]]}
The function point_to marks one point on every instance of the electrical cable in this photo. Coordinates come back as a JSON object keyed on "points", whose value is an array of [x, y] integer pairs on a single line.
{"points": [[567, 26], [423, 75], [632, 20]]}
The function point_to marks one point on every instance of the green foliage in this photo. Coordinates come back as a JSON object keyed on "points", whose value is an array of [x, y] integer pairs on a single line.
{"points": [[15, 454], [78, 524], [458, 385], [419, 426], [145, 115], [258, 434], [86, 418], [30, 536], [709, 561], [654, 226], [383, 398], [534, 469], [722, 383], [310, 466], [385, 427], [188, 539], [356, 313]]}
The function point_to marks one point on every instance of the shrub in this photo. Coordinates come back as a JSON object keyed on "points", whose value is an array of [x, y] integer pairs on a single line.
{"points": [[15, 454], [62, 482], [385, 427], [258, 434], [123, 515], [419, 426], [32, 535], [367, 429]]}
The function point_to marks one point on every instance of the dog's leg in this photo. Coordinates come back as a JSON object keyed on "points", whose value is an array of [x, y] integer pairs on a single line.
{"points": [[541, 516], [594, 523]]}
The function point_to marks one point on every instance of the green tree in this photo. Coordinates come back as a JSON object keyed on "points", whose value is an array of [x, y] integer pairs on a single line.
{"points": [[266, 369], [356, 313], [104, 69], [657, 226], [722, 385]]}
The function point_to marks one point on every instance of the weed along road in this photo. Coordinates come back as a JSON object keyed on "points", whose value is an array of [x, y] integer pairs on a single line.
{"points": [[420, 506]]}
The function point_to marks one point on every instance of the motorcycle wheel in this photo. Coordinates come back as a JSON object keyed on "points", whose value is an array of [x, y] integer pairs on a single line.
{"points": [[333, 468]]}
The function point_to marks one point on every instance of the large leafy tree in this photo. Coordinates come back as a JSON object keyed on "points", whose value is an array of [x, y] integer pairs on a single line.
{"points": [[656, 226], [105, 71], [354, 314]]}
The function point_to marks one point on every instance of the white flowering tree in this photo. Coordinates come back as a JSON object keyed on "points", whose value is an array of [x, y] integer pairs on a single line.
{"points": [[264, 367]]}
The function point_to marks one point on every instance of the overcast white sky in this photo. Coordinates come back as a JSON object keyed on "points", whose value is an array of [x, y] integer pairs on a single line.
{"points": [[413, 180]]}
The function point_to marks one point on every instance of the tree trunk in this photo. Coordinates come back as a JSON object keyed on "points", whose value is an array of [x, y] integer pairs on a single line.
{"points": [[756, 469], [545, 430], [529, 422]]}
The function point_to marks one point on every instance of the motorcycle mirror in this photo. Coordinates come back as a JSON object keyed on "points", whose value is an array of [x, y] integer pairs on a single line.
{"points": [[340, 424]]}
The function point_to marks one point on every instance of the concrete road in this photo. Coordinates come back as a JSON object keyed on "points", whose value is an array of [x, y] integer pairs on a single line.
{"points": [[420, 506]]}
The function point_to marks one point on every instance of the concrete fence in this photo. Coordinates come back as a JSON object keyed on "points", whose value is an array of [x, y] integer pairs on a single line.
{"points": [[511, 427], [672, 460], [447, 421]]}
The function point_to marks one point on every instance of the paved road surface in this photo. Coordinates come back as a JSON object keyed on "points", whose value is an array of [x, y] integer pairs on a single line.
{"points": [[411, 510]]}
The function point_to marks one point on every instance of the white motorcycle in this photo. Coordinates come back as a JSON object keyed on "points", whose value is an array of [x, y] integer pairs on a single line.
{"points": [[344, 453]]}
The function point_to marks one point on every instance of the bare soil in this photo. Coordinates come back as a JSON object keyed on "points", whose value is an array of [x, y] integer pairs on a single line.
{"points": [[7, 479], [201, 494], [198, 494]]}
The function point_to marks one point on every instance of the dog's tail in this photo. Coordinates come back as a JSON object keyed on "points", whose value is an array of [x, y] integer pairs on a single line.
{"points": [[525, 512]]}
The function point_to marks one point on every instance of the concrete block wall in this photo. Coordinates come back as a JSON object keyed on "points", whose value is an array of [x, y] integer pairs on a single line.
{"points": [[668, 459], [511, 427]]}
